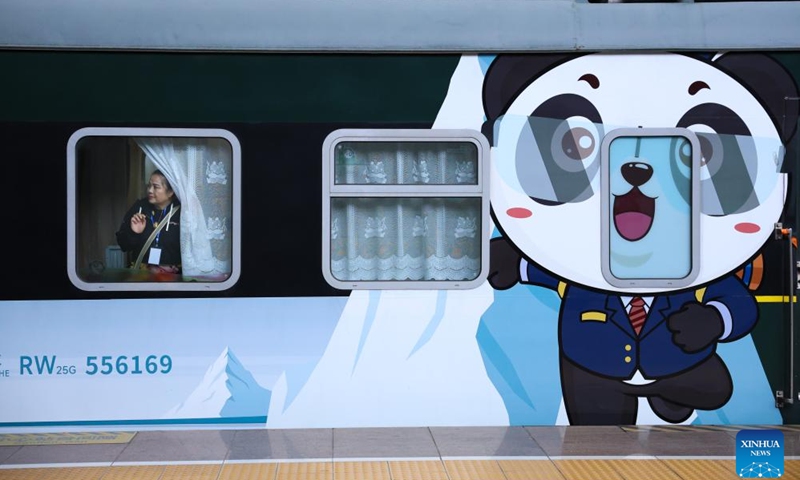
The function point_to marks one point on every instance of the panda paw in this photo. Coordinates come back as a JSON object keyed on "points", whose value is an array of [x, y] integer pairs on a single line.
{"points": [[695, 327], [504, 263]]}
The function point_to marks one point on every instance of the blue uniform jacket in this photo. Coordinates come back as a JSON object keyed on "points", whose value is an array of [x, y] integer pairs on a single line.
{"points": [[595, 332]]}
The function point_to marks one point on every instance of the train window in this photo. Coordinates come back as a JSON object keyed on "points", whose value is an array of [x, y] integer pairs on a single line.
{"points": [[405, 209], [153, 209], [650, 179]]}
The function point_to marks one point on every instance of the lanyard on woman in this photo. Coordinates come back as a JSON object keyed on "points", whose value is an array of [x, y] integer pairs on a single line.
{"points": [[155, 224], [152, 236]]}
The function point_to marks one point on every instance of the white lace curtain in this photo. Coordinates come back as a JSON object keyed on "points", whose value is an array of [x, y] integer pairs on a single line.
{"points": [[414, 238], [393, 163], [198, 170]]}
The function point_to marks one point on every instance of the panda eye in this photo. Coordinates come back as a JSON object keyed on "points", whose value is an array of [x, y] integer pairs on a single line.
{"points": [[683, 150], [574, 144], [711, 149], [715, 125], [706, 150], [578, 143]]}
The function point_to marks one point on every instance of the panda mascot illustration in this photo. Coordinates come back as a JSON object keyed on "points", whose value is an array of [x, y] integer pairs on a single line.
{"points": [[641, 236]]}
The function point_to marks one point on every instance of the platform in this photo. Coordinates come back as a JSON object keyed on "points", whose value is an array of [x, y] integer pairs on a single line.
{"points": [[435, 453]]}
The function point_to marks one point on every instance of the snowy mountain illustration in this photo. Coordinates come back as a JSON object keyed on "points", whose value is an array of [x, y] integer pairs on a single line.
{"points": [[397, 357], [227, 389], [387, 365]]}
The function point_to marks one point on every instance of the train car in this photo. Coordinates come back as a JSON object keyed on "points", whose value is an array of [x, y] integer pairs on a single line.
{"points": [[429, 226]]}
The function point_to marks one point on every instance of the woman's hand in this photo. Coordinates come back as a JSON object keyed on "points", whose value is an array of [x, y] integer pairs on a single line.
{"points": [[138, 221]]}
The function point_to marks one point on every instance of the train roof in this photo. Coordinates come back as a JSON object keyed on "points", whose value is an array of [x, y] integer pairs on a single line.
{"points": [[397, 25]]}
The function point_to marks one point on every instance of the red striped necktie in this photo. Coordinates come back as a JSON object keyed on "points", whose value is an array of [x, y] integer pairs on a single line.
{"points": [[637, 315]]}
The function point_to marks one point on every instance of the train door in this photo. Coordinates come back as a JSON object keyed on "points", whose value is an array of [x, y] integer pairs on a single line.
{"points": [[773, 276]]}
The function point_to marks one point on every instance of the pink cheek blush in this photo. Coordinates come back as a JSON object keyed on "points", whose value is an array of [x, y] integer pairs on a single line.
{"points": [[746, 227], [518, 212]]}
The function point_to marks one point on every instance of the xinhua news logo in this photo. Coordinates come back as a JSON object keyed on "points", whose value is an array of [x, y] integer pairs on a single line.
{"points": [[759, 453]]}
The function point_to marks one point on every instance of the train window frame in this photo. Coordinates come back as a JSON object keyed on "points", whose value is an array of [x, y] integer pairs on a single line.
{"points": [[606, 206], [411, 191], [234, 177]]}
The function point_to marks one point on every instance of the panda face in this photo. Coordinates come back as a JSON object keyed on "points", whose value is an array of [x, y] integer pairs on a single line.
{"points": [[545, 182]]}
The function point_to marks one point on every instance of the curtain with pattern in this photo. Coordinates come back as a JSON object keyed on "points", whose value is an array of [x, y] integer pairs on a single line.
{"points": [[416, 237], [198, 170]]}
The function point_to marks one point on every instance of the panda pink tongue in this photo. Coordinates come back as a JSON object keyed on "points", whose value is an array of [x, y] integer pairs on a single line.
{"points": [[632, 226]]}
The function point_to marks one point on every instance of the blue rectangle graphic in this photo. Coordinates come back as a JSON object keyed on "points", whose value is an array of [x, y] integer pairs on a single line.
{"points": [[759, 454]]}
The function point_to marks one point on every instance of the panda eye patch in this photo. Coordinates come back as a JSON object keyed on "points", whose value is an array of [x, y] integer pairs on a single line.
{"points": [[565, 106], [552, 155], [733, 180], [550, 160]]}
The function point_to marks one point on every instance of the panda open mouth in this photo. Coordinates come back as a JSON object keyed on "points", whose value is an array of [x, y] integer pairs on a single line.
{"points": [[633, 214]]}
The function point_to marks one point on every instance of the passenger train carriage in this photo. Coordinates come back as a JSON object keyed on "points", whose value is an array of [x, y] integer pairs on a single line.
{"points": [[508, 234]]}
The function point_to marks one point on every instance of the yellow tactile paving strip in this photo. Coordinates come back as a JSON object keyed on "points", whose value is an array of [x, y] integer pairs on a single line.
{"points": [[530, 470], [361, 471], [304, 471], [484, 469], [249, 471], [474, 469], [588, 469], [145, 472], [705, 428], [191, 472], [67, 438], [417, 470], [649, 469], [702, 469], [70, 473], [792, 470]]}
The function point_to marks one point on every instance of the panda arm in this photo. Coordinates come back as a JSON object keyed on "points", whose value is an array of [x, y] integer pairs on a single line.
{"points": [[507, 267], [736, 305], [532, 275]]}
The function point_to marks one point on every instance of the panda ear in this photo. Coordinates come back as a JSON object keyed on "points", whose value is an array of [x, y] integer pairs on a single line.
{"points": [[770, 82], [508, 75]]}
